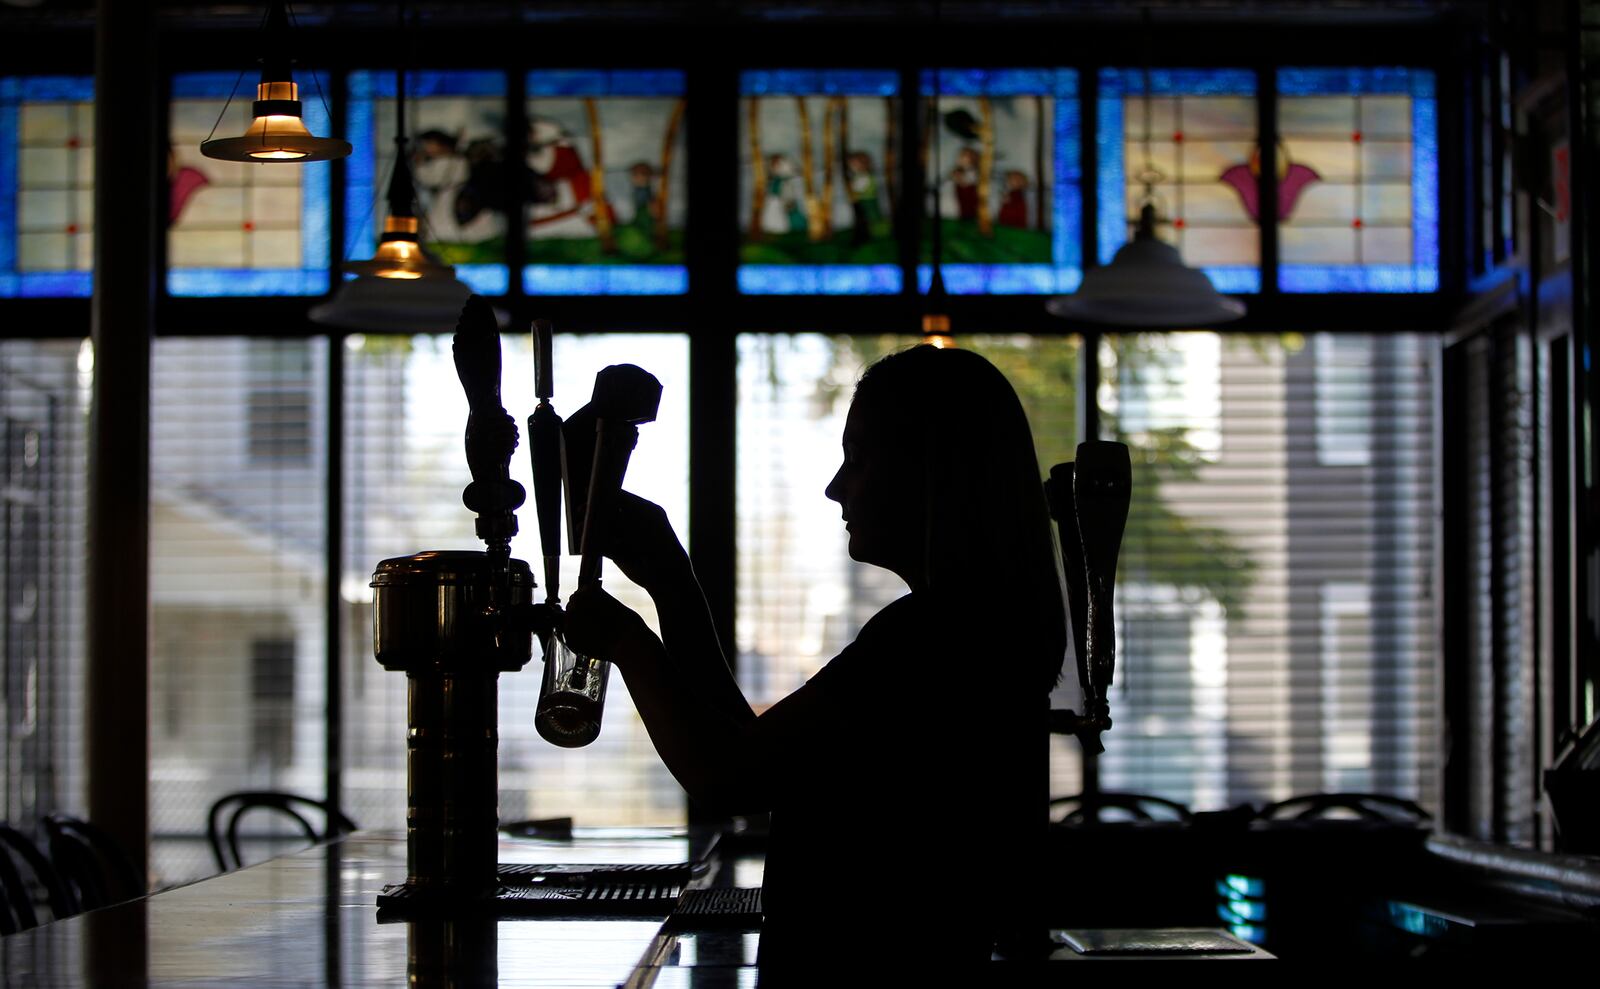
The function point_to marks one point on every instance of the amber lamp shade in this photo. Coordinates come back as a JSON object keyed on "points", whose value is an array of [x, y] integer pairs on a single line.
{"points": [[277, 133]]}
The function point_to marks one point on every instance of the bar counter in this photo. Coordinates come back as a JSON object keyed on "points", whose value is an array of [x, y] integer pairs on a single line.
{"points": [[309, 919]]}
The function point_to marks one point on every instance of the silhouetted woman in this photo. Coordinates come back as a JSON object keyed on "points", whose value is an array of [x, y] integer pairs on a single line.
{"points": [[907, 779]]}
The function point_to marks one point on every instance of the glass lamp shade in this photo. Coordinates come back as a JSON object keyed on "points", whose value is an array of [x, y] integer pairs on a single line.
{"points": [[401, 256], [277, 133], [1147, 285], [399, 305]]}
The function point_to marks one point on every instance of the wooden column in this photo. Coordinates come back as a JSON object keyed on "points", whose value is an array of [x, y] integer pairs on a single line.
{"points": [[127, 156]]}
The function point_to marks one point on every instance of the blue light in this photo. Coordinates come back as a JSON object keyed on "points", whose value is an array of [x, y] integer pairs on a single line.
{"points": [[1249, 932], [602, 82], [819, 82], [1235, 911], [214, 282], [1002, 279], [832, 279], [605, 279], [1415, 920], [485, 279], [1243, 886]]}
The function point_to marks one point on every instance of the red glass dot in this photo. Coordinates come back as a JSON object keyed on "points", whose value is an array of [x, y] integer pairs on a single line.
{"points": [[248, 225], [72, 228], [1178, 223], [1356, 223], [1177, 137], [1356, 137], [72, 142]]}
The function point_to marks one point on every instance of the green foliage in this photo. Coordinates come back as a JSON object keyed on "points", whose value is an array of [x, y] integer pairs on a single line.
{"points": [[1162, 547], [961, 243], [491, 251], [634, 246], [797, 248]]}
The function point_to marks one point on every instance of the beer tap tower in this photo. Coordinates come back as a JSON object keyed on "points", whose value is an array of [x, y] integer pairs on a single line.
{"points": [[453, 621]]}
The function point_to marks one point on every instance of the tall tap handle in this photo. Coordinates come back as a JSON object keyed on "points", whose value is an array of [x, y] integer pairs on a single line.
{"points": [[1102, 486], [491, 433], [1063, 509]]}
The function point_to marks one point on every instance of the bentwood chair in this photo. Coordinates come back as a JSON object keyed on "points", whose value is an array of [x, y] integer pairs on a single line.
{"points": [[92, 866], [226, 840]]}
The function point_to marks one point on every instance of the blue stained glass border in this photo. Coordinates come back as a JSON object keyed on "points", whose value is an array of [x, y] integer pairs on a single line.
{"points": [[819, 82], [15, 90], [361, 198], [1111, 228], [1065, 272], [605, 279], [1422, 275], [605, 82], [819, 279], [312, 277]]}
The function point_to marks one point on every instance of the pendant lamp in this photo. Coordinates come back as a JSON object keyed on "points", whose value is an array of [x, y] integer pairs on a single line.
{"points": [[1147, 284], [277, 132], [402, 287]]}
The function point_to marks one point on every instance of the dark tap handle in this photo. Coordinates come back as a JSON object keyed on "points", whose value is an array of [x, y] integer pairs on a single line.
{"points": [[1063, 509], [491, 433], [1102, 484], [544, 446]]}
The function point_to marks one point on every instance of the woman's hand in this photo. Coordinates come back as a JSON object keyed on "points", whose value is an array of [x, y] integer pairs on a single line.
{"points": [[600, 626], [640, 541]]}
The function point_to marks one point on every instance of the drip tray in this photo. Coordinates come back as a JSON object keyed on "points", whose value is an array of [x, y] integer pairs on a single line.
{"points": [[644, 891], [706, 909]]}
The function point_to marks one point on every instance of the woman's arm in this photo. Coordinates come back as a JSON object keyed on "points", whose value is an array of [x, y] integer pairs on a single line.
{"points": [[712, 747], [643, 545]]}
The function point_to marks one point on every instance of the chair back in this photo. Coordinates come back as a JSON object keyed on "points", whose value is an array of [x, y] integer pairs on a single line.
{"points": [[17, 848], [95, 870], [222, 823]]}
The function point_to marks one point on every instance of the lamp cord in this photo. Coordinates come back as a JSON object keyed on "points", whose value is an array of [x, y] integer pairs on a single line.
{"points": [[218, 122]]}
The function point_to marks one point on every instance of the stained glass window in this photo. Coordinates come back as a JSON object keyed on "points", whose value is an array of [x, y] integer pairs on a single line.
{"points": [[1198, 144], [235, 228], [1008, 180], [456, 125], [607, 183], [46, 185], [818, 165], [1358, 181]]}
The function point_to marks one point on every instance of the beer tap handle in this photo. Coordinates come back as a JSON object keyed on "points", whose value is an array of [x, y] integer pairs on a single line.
{"points": [[544, 446], [491, 432], [1063, 509], [1102, 484]]}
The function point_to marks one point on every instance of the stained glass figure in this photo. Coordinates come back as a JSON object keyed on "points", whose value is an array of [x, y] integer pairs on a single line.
{"points": [[235, 228], [455, 124], [1200, 126], [818, 164], [1367, 220], [1007, 180], [46, 185], [607, 180]]}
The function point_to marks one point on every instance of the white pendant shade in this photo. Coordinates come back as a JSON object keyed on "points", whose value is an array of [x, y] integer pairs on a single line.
{"points": [[1147, 285]]}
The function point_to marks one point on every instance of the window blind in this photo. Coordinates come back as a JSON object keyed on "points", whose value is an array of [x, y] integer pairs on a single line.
{"points": [[237, 537], [1275, 588]]}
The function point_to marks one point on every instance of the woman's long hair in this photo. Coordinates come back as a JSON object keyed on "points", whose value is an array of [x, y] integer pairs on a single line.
{"points": [[986, 519]]}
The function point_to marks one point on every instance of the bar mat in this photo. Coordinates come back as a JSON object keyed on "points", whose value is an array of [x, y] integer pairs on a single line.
{"points": [[531, 898], [698, 909], [1153, 942], [517, 873]]}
